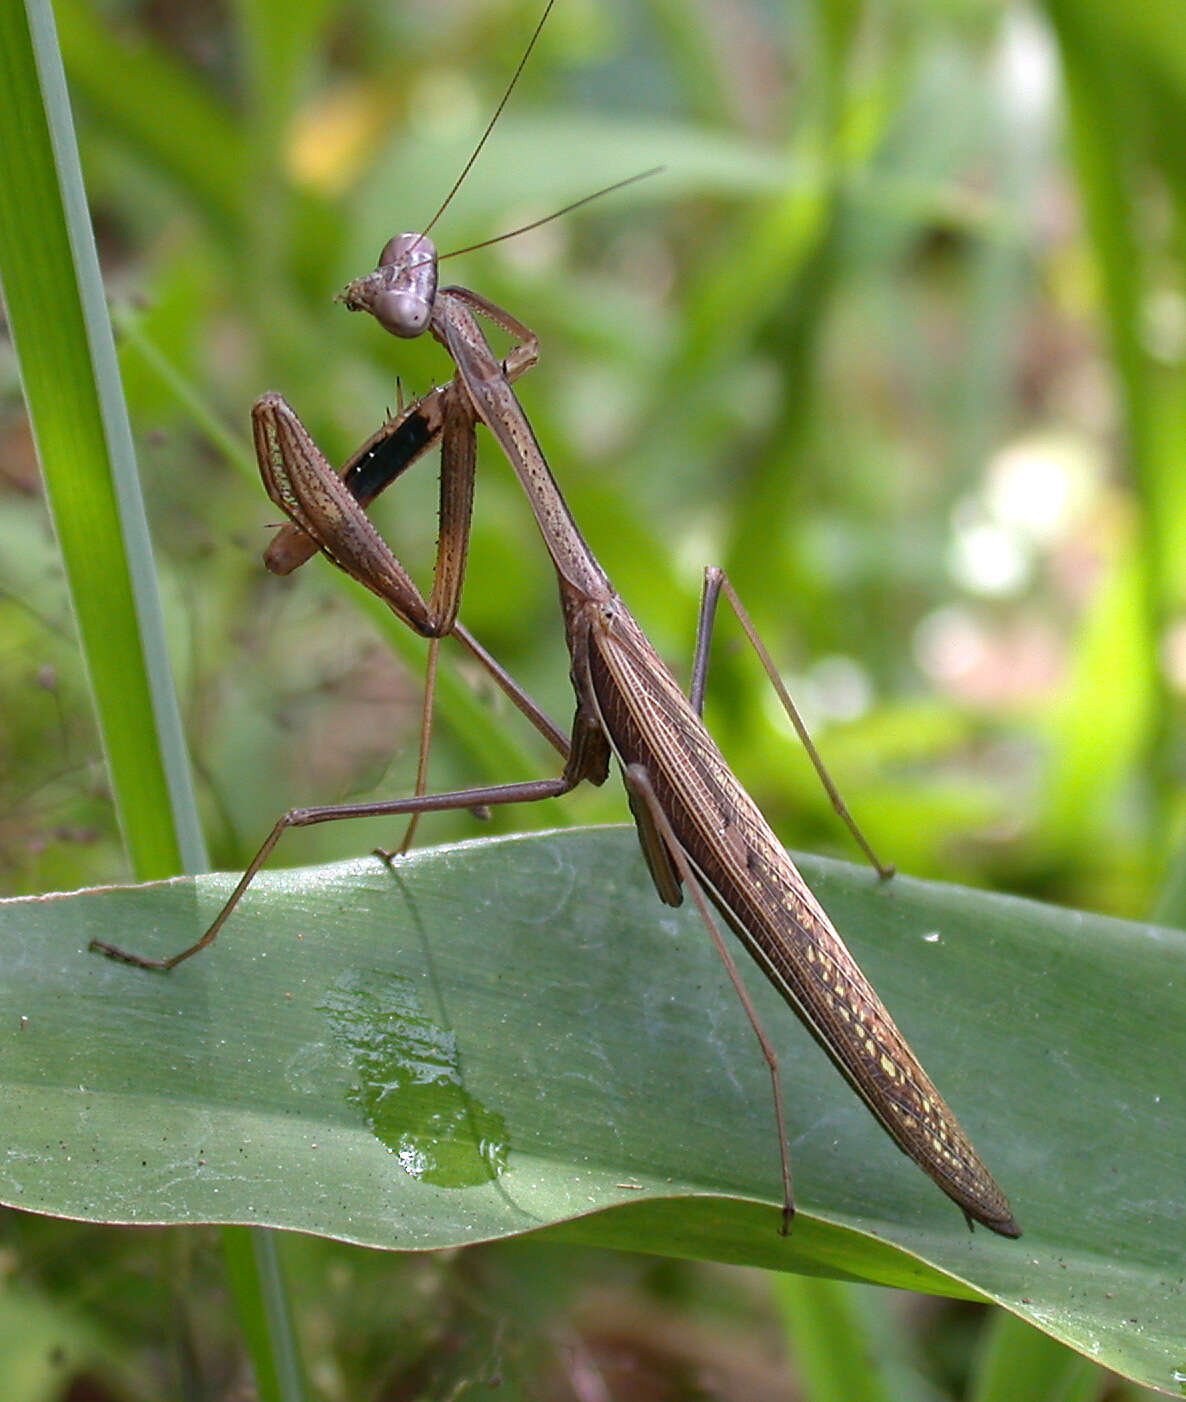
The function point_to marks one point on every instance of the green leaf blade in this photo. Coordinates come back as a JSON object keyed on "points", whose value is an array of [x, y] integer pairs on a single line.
{"points": [[598, 1026]]}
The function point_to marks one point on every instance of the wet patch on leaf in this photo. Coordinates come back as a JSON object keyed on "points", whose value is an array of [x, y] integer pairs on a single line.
{"points": [[409, 1083]]}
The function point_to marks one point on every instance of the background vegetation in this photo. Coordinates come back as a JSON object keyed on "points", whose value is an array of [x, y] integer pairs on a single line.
{"points": [[897, 337]]}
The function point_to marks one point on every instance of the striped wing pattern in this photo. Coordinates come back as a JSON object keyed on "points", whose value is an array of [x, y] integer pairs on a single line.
{"points": [[767, 903]]}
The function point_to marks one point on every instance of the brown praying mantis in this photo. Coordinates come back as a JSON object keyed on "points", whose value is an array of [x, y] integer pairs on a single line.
{"points": [[697, 825], [698, 828]]}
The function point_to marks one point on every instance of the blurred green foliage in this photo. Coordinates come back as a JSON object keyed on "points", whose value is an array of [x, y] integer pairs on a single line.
{"points": [[897, 337], [856, 343]]}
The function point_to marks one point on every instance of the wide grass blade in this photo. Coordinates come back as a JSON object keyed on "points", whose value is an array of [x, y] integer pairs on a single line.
{"points": [[512, 1036], [57, 312]]}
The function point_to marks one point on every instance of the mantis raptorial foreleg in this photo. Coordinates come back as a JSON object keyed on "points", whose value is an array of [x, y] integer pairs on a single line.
{"points": [[387, 454], [446, 415]]}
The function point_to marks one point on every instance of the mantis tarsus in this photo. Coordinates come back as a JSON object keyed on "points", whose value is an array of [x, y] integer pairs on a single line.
{"points": [[697, 826]]}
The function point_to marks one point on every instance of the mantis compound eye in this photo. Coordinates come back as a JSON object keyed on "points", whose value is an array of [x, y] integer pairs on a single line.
{"points": [[401, 313]]}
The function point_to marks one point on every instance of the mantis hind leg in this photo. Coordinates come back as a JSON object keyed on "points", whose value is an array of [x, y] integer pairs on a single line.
{"points": [[669, 867], [716, 583]]}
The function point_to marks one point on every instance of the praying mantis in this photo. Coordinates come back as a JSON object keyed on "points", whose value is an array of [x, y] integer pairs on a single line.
{"points": [[698, 828]]}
